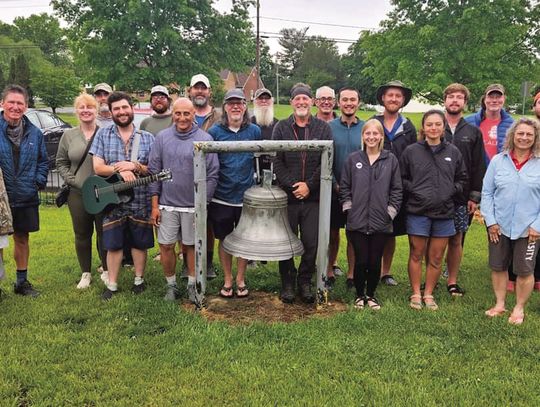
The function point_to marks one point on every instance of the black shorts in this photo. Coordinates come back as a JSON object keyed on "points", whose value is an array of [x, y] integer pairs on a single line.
{"points": [[224, 218], [338, 219], [25, 220]]}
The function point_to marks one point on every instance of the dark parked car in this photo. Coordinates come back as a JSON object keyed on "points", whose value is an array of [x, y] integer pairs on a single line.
{"points": [[52, 127]]}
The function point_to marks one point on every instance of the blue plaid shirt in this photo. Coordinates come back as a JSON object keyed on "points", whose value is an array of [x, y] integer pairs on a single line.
{"points": [[109, 146]]}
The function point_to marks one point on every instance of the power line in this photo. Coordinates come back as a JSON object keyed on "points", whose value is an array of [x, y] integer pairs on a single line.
{"points": [[340, 40], [318, 23]]}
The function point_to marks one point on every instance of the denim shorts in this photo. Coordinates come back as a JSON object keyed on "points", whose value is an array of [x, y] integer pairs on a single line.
{"points": [[418, 225]]}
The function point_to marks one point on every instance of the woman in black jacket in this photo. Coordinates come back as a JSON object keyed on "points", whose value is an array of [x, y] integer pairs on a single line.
{"points": [[370, 192], [433, 175]]}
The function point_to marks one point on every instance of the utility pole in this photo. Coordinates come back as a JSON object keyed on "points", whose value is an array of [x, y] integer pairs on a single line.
{"points": [[277, 78], [258, 56]]}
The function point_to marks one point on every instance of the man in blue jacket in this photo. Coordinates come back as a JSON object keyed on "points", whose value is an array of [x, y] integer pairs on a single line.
{"points": [[24, 162], [235, 177], [492, 119]]}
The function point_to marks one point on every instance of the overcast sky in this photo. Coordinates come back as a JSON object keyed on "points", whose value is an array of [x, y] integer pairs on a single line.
{"points": [[346, 18]]}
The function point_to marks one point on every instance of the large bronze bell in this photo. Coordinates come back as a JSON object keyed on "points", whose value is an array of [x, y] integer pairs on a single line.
{"points": [[263, 232]]}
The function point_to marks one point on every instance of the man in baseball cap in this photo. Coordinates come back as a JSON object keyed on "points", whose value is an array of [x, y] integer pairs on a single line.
{"points": [[160, 102], [492, 119], [200, 93], [101, 93]]}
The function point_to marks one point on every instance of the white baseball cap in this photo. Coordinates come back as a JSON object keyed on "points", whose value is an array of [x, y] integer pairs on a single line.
{"points": [[195, 79]]}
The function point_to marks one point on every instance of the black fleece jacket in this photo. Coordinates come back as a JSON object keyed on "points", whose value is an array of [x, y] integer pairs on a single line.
{"points": [[468, 139], [295, 166]]}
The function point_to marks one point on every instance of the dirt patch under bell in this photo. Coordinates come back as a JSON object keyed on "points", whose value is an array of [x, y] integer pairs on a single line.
{"points": [[263, 307]]}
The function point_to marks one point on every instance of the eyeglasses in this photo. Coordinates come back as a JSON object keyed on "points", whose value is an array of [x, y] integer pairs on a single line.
{"points": [[160, 97], [326, 99]]}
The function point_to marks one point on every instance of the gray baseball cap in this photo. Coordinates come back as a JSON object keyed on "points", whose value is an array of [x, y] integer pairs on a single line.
{"points": [[235, 93], [262, 91]]}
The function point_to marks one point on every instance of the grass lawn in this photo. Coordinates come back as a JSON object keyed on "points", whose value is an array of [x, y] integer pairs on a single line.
{"points": [[68, 348]]}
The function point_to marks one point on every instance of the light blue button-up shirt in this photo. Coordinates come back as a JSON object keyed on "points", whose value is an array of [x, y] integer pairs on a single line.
{"points": [[511, 198]]}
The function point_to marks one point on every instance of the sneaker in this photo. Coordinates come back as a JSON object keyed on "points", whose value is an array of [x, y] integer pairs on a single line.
{"points": [[108, 294], [172, 293], [86, 278], [138, 288], [26, 289], [389, 280], [105, 277], [511, 286], [192, 293], [100, 269], [330, 282], [337, 271], [211, 272]]}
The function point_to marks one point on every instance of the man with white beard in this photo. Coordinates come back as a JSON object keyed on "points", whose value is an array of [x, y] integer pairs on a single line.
{"points": [[263, 116]]}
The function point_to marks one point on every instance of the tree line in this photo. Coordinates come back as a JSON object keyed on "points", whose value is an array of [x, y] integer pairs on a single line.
{"points": [[135, 45]]}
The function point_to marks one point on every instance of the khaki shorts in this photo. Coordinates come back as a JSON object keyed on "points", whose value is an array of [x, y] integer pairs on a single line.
{"points": [[520, 252], [176, 227]]}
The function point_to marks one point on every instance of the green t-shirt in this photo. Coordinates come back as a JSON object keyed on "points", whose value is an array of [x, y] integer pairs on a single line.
{"points": [[154, 124]]}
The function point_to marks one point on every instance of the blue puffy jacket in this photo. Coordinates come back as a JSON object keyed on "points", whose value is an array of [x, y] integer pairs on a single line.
{"points": [[235, 169], [506, 121], [22, 187]]}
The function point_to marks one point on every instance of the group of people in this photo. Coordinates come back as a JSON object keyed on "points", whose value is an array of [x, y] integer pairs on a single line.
{"points": [[388, 182]]}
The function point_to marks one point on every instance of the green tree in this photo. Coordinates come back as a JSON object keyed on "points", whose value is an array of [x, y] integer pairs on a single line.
{"points": [[292, 41], [2, 79], [431, 43], [319, 64], [12, 75], [56, 86], [354, 64], [139, 43], [44, 31]]}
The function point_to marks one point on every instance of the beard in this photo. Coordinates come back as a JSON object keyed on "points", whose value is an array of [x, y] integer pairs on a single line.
{"points": [[264, 116], [162, 108], [200, 101], [104, 109], [120, 123], [454, 111]]}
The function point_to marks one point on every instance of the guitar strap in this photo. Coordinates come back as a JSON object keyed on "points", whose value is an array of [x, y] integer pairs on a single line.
{"points": [[135, 147]]}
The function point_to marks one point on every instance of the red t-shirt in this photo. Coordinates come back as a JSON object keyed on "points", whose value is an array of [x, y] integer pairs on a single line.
{"points": [[489, 134]]}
